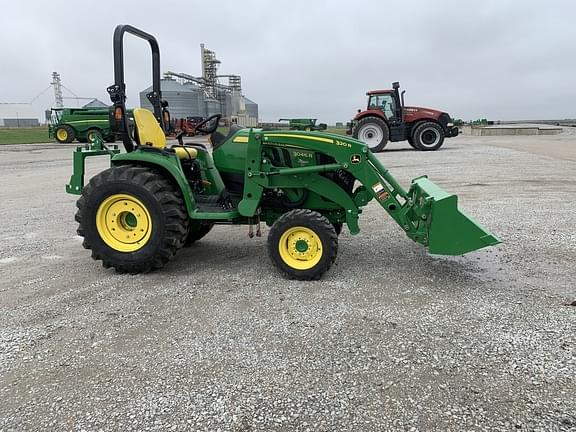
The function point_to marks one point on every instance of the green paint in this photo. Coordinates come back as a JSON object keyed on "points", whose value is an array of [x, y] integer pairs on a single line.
{"points": [[304, 124], [95, 148], [129, 220], [268, 161], [301, 246], [167, 162], [81, 120]]}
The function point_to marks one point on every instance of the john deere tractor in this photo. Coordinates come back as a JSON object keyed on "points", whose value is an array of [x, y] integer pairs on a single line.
{"points": [[157, 198]]}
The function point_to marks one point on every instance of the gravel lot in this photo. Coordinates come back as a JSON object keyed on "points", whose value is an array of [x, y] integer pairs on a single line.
{"points": [[390, 339]]}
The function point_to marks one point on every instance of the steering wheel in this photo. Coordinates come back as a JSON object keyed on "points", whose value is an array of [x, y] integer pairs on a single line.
{"points": [[209, 125], [205, 127]]}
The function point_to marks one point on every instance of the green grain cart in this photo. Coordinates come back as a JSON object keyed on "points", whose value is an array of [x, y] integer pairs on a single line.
{"points": [[304, 124], [82, 124]]}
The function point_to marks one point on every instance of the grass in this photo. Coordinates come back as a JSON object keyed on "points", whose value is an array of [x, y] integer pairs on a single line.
{"points": [[337, 131], [24, 135]]}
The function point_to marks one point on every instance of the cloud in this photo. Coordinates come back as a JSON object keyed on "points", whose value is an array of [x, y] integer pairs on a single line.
{"points": [[501, 60]]}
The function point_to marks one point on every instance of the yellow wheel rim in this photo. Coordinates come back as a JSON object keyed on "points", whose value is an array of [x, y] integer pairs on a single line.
{"points": [[300, 248], [124, 223], [61, 134]]}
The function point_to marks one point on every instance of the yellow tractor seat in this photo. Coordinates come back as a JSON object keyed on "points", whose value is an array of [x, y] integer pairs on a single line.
{"points": [[151, 134]]}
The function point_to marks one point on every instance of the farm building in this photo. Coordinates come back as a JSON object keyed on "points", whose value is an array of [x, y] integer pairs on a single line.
{"points": [[17, 115]]}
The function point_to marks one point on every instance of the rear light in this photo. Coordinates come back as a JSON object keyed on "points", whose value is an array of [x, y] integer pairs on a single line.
{"points": [[118, 115]]}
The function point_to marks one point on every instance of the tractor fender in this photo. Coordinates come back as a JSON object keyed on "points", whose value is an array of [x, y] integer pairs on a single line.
{"points": [[168, 164], [370, 113]]}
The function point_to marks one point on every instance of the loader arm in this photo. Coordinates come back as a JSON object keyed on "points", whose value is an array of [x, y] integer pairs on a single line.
{"points": [[426, 213]]}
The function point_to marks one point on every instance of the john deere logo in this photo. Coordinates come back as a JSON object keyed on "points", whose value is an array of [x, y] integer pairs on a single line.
{"points": [[355, 159]]}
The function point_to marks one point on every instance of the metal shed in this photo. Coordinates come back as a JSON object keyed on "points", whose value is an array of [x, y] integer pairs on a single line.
{"points": [[17, 115]]}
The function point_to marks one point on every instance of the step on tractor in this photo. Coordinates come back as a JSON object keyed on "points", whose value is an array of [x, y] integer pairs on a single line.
{"points": [[157, 198], [387, 119]]}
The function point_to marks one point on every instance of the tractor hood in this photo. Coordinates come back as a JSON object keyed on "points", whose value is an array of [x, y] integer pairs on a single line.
{"points": [[422, 112], [411, 113]]}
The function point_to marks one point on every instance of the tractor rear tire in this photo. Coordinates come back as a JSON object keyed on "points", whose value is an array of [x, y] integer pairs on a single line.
{"points": [[132, 218], [303, 244], [373, 131], [92, 134], [428, 136], [64, 134], [197, 231]]}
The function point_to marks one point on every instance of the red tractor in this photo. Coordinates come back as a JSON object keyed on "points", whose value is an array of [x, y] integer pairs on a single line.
{"points": [[387, 119]]}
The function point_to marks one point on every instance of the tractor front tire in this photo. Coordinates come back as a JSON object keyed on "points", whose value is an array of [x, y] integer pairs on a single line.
{"points": [[132, 218], [373, 131], [411, 142], [303, 244], [428, 136], [64, 134], [197, 231]]}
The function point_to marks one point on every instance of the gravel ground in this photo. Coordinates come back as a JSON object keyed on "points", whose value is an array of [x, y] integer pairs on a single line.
{"points": [[391, 339]]}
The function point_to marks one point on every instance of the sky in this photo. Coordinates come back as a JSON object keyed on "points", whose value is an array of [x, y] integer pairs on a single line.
{"points": [[501, 60]]}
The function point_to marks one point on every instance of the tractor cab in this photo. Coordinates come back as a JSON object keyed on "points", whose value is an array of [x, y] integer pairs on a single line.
{"points": [[384, 102], [390, 102]]}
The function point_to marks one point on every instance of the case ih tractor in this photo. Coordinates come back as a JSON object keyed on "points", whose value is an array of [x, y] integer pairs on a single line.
{"points": [[387, 119], [158, 197]]}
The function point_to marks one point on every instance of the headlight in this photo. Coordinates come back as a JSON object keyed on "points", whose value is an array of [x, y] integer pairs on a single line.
{"points": [[450, 124]]}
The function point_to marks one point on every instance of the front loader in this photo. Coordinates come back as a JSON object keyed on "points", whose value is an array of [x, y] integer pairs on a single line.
{"points": [[157, 198]]}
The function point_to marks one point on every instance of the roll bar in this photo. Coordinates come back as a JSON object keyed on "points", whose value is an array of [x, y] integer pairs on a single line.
{"points": [[117, 91]]}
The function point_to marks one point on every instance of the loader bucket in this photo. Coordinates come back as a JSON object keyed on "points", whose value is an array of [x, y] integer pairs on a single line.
{"points": [[450, 231]]}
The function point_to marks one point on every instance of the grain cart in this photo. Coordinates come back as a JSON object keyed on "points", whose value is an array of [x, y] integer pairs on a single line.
{"points": [[304, 124], [83, 124], [156, 198], [387, 119]]}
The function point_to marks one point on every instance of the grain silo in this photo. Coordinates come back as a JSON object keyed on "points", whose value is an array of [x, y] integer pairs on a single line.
{"points": [[251, 108], [203, 96], [212, 107], [184, 100]]}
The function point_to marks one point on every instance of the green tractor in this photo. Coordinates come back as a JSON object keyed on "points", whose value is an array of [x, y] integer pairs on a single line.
{"points": [[157, 198], [304, 124]]}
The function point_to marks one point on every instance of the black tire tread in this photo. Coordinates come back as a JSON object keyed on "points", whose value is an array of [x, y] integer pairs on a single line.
{"points": [[320, 224], [172, 204], [197, 233], [69, 130], [425, 125]]}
